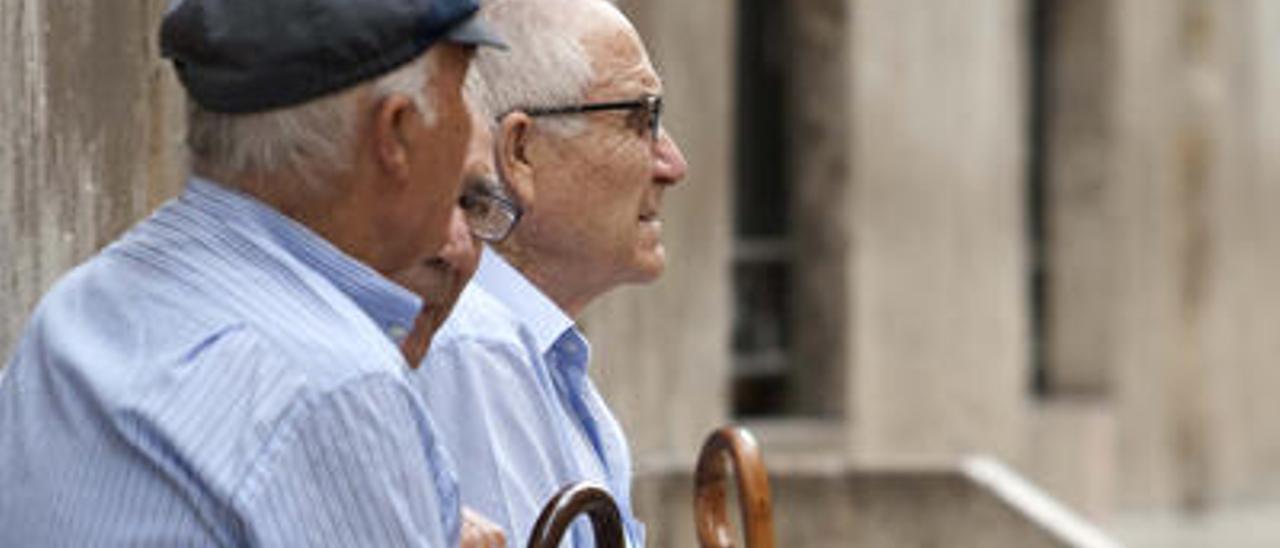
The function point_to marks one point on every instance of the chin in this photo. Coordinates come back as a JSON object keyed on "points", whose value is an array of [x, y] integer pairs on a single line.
{"points": [[649, 267]]}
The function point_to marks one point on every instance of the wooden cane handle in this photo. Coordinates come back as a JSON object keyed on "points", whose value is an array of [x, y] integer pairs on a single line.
{"points": [[571, 502], [737, 447]]}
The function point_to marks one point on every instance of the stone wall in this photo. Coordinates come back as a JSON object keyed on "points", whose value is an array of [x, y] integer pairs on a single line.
{"points": [[1163, 247], [88, 138]]}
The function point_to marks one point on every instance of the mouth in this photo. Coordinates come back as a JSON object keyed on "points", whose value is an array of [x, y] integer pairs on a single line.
{"points": [[649, 217], [436, 263]]}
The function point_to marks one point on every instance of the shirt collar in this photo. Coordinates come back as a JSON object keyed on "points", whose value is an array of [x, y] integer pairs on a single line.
{"points": [[391, 306], [501, 280]]}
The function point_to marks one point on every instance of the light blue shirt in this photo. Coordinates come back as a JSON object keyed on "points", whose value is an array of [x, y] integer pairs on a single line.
{"points": [[219, 376], [506, 380]]}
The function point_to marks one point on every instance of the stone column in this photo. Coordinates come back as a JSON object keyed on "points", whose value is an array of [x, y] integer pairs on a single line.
{"points": [[937, 351], [1158, 170], [89, 138], [1230, 78], [1242, 349], [1197, 252]]}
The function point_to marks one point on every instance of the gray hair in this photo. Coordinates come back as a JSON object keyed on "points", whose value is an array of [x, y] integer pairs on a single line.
{"points": [[546, 65], [310, 141]]}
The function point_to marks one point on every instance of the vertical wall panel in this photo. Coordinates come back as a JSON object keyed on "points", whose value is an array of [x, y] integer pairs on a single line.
{"points": [[88, 142], [938, 301], [1242, 302], [1182, 343]]}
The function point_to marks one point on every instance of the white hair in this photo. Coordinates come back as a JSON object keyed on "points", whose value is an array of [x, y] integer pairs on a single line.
{"points": [[546, 65], [310, 141]]}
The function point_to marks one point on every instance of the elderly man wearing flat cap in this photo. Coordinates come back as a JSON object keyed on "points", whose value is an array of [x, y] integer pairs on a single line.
{"points": [[228, 372]]}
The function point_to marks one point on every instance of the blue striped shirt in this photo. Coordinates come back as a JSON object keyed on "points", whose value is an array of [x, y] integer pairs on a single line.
{"points": [[219, 376], [507, 381]]}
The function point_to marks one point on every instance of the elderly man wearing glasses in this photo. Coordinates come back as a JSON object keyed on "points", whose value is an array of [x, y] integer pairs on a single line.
{"points": [[575, 108]]}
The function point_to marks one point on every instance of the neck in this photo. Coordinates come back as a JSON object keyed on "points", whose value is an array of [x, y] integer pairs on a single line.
{"points": [[570, 288], [334, 211]]}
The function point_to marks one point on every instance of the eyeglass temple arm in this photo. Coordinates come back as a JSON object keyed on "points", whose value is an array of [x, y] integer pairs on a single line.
{"points": [[579, 109]]}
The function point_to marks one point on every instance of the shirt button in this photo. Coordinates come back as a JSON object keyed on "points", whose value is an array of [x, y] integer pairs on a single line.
{"points": [[397, 332]]}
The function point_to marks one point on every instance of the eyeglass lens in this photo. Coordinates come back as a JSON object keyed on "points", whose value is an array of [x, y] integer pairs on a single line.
{"points": [[489, 216]]}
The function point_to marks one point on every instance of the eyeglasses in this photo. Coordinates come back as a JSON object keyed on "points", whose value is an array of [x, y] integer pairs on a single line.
{"points": [[648, 110], [490, 214]]}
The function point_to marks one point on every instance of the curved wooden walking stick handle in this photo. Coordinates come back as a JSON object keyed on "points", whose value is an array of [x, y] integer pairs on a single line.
{"points": [[740, 449], [571, 502]]}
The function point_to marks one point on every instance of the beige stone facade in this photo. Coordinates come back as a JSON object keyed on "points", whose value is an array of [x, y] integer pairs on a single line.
{"points": [[944, 153], [89, 137]]}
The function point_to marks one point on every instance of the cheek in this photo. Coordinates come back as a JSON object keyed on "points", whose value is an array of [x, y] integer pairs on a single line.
{"points": [[598, 206], [442, 173], [439, 216], [453, 154], [620, 205]]}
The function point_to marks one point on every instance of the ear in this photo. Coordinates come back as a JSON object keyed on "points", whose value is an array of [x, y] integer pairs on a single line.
{"points": [[511, 155], [393, 135]]}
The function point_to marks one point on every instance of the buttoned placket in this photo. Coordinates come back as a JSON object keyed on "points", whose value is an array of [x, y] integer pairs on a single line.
{"points": [[613, 457], [572, 356], [397, 333], [571, 368]]}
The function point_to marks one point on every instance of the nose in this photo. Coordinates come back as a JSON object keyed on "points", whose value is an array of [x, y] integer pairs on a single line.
{"points": [[462, 251], [669, 163]]}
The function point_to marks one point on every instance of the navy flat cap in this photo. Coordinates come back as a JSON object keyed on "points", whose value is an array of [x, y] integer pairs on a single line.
{"points": [[244, 56]]}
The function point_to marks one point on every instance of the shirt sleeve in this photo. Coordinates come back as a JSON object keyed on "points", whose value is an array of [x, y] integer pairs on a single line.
{"points": [[353, 467]]}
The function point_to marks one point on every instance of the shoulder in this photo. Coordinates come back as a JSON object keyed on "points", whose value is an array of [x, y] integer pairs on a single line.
{"points": [[236, 399], [480, 315], [481, 326], [482, 352], [186, 376], [116, 324], [116, 321]]}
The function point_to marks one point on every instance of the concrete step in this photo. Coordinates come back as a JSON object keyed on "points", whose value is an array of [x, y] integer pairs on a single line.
{"points": [[978, 503], [1254, 525]]}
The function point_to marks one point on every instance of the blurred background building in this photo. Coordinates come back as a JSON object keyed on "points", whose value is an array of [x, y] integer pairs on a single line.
{"points": [[914, 231]]}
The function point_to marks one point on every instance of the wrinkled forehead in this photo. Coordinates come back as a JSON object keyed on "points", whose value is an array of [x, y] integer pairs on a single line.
{"points": [[622, 66]]}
